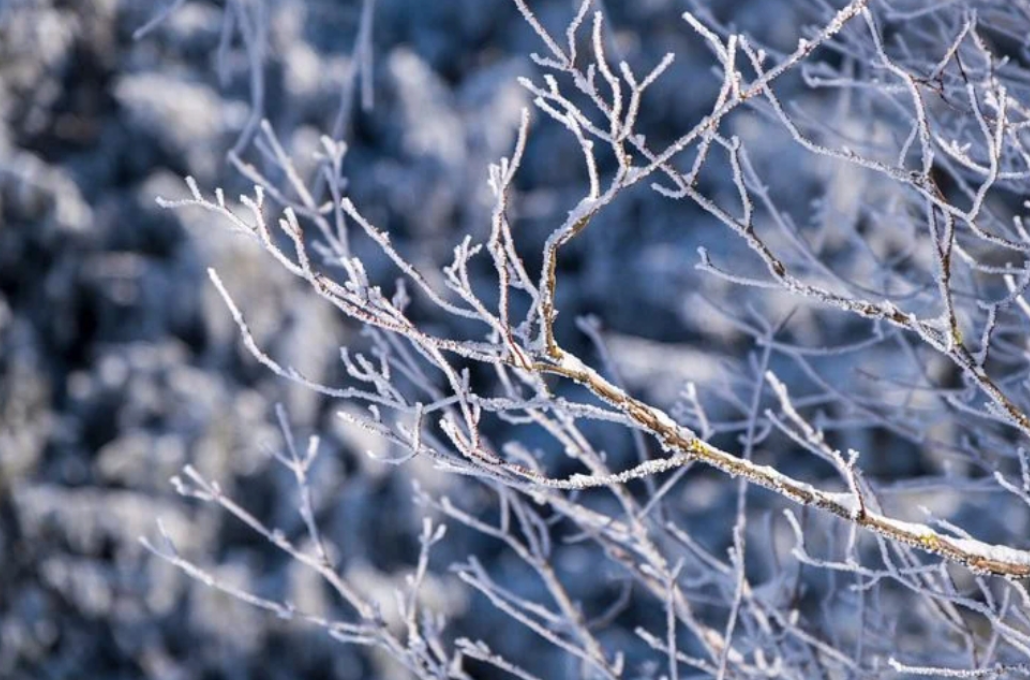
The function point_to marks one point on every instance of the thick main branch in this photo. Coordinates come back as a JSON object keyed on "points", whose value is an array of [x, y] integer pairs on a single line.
{"points": [[687, 446]]}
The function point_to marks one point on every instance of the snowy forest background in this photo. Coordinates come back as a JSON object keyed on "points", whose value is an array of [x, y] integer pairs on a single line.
{"points": [[120, 363]]}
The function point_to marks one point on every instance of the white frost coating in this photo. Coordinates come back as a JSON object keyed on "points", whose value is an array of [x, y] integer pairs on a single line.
{"points": [[844, 499], [665, 421], [988, 551], [996, 553], [572, 364], [770, 476], [914, 528]]}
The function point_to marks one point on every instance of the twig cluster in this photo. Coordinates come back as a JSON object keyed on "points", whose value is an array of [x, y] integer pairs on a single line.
{"points": [[944, 175]]}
